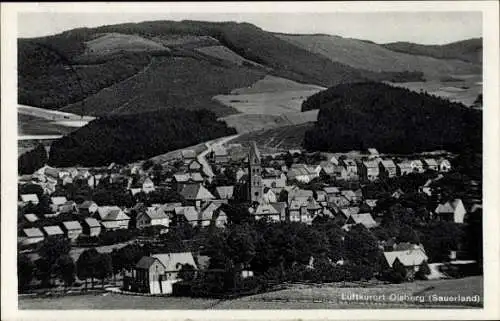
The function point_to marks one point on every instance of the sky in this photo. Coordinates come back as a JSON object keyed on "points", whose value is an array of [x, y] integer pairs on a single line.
{"points": [[380, 27]]}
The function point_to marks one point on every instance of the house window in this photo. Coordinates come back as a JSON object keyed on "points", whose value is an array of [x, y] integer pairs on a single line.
{"points": [[256, 193]]}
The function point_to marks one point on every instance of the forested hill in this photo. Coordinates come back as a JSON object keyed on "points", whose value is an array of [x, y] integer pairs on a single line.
{"points": [[125, 68], [126, 138], [362, 115], [470, 50]]}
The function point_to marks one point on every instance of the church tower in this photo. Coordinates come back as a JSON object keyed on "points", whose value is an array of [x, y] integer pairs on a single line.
{"points": [[255, 189]]}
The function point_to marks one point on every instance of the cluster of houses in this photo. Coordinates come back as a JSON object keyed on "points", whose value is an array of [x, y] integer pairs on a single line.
{"points": [[270, 190]]}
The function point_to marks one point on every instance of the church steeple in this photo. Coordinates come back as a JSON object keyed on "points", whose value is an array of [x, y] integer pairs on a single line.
{"points": [[255, 189]]}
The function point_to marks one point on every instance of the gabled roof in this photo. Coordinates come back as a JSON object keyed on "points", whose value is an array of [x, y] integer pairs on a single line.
{"points": [[146, 261], [404, 165], [225, 192], [72, 225], [331, 190], [295, 205], [186, 177], [58, 200], [265, 209], [31, 217], [372, 151], [349, 162], [313, 205], [371, 202], [92, 222], [53, 230], [196, 192], [33, 232], [173, 261], [188, 153], [156, 213], [208, 212], [431, 162], [365, 219], [445, 208], [103, 211], [189, 212], [407, 258], [388, 163], [370, 164], [86, 204], [417, 162], [29, 198], [116, 215], [348, 193], [170, 207], [350, 211]]}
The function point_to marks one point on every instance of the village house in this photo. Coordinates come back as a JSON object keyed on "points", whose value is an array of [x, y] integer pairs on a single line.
{"points": [[321, 196], [431, 164], [157, 273], [453, 211], [327, 169], [364, 219], [224, 192], [182, 179], [67, 207], [87, 208], [301, 173], [91, 227], [411, 260], [154, 215], [373, 153], [29, 198], [194, 166], [417, 166], [348, 211], [188, 155], [30, 217], [265, 211], [212, 214], [220, 155], [72, 229], [369, 170], [53, 231], [331, 190], [444, 166], [404, 168], [112, 217], [30, 236], [294, 211], [196, 195], [387, 168], [268, 196], [56, 202], [338, 201], [331, 158], [313, 207], [273, 178], [351, 168], [187, 213]]}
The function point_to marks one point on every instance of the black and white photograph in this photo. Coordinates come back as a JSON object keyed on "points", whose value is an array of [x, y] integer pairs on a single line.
{"points": [[187, 157]]}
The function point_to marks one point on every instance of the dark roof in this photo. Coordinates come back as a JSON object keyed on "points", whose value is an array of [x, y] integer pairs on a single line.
{"points": [[145, 262]]}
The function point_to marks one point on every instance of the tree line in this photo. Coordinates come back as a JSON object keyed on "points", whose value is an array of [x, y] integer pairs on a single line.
{"points": [[126, 138], [395, 120]]}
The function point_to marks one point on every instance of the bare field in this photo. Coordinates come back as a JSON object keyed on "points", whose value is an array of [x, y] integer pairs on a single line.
{"points": [[298, 296], [111, 43], [464, 91]]}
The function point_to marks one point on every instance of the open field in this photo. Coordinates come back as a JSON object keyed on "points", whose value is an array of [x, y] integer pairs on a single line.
{"points": [[326, 296], [465, 90], [111, 43], [224, 53], [269, 103], [364, 55]]}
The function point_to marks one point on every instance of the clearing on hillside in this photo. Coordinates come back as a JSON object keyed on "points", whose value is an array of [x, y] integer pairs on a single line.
{"points": [[224, 53], [111, 43]]}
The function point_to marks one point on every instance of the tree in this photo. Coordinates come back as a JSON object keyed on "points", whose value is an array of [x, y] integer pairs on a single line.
{"points": [[147, 164], [423, 271], [65, 269], [25, 271], [103, 267], [407, 234], [85, 265], [54, 248], [361, 246], [33, 160], [186, 272], [43, 271]]}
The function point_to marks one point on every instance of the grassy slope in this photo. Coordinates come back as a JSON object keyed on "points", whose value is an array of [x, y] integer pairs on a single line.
{"points": [[360, 54], [470, 50]]}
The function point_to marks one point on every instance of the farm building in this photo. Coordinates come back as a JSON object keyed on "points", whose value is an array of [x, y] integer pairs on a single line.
{"points": [[453, 211]]}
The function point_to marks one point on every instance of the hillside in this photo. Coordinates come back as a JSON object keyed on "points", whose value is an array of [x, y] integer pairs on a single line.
{"points": [[75, 70], [125, 138], [380, 58], [363, 115], [470, 50]]}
